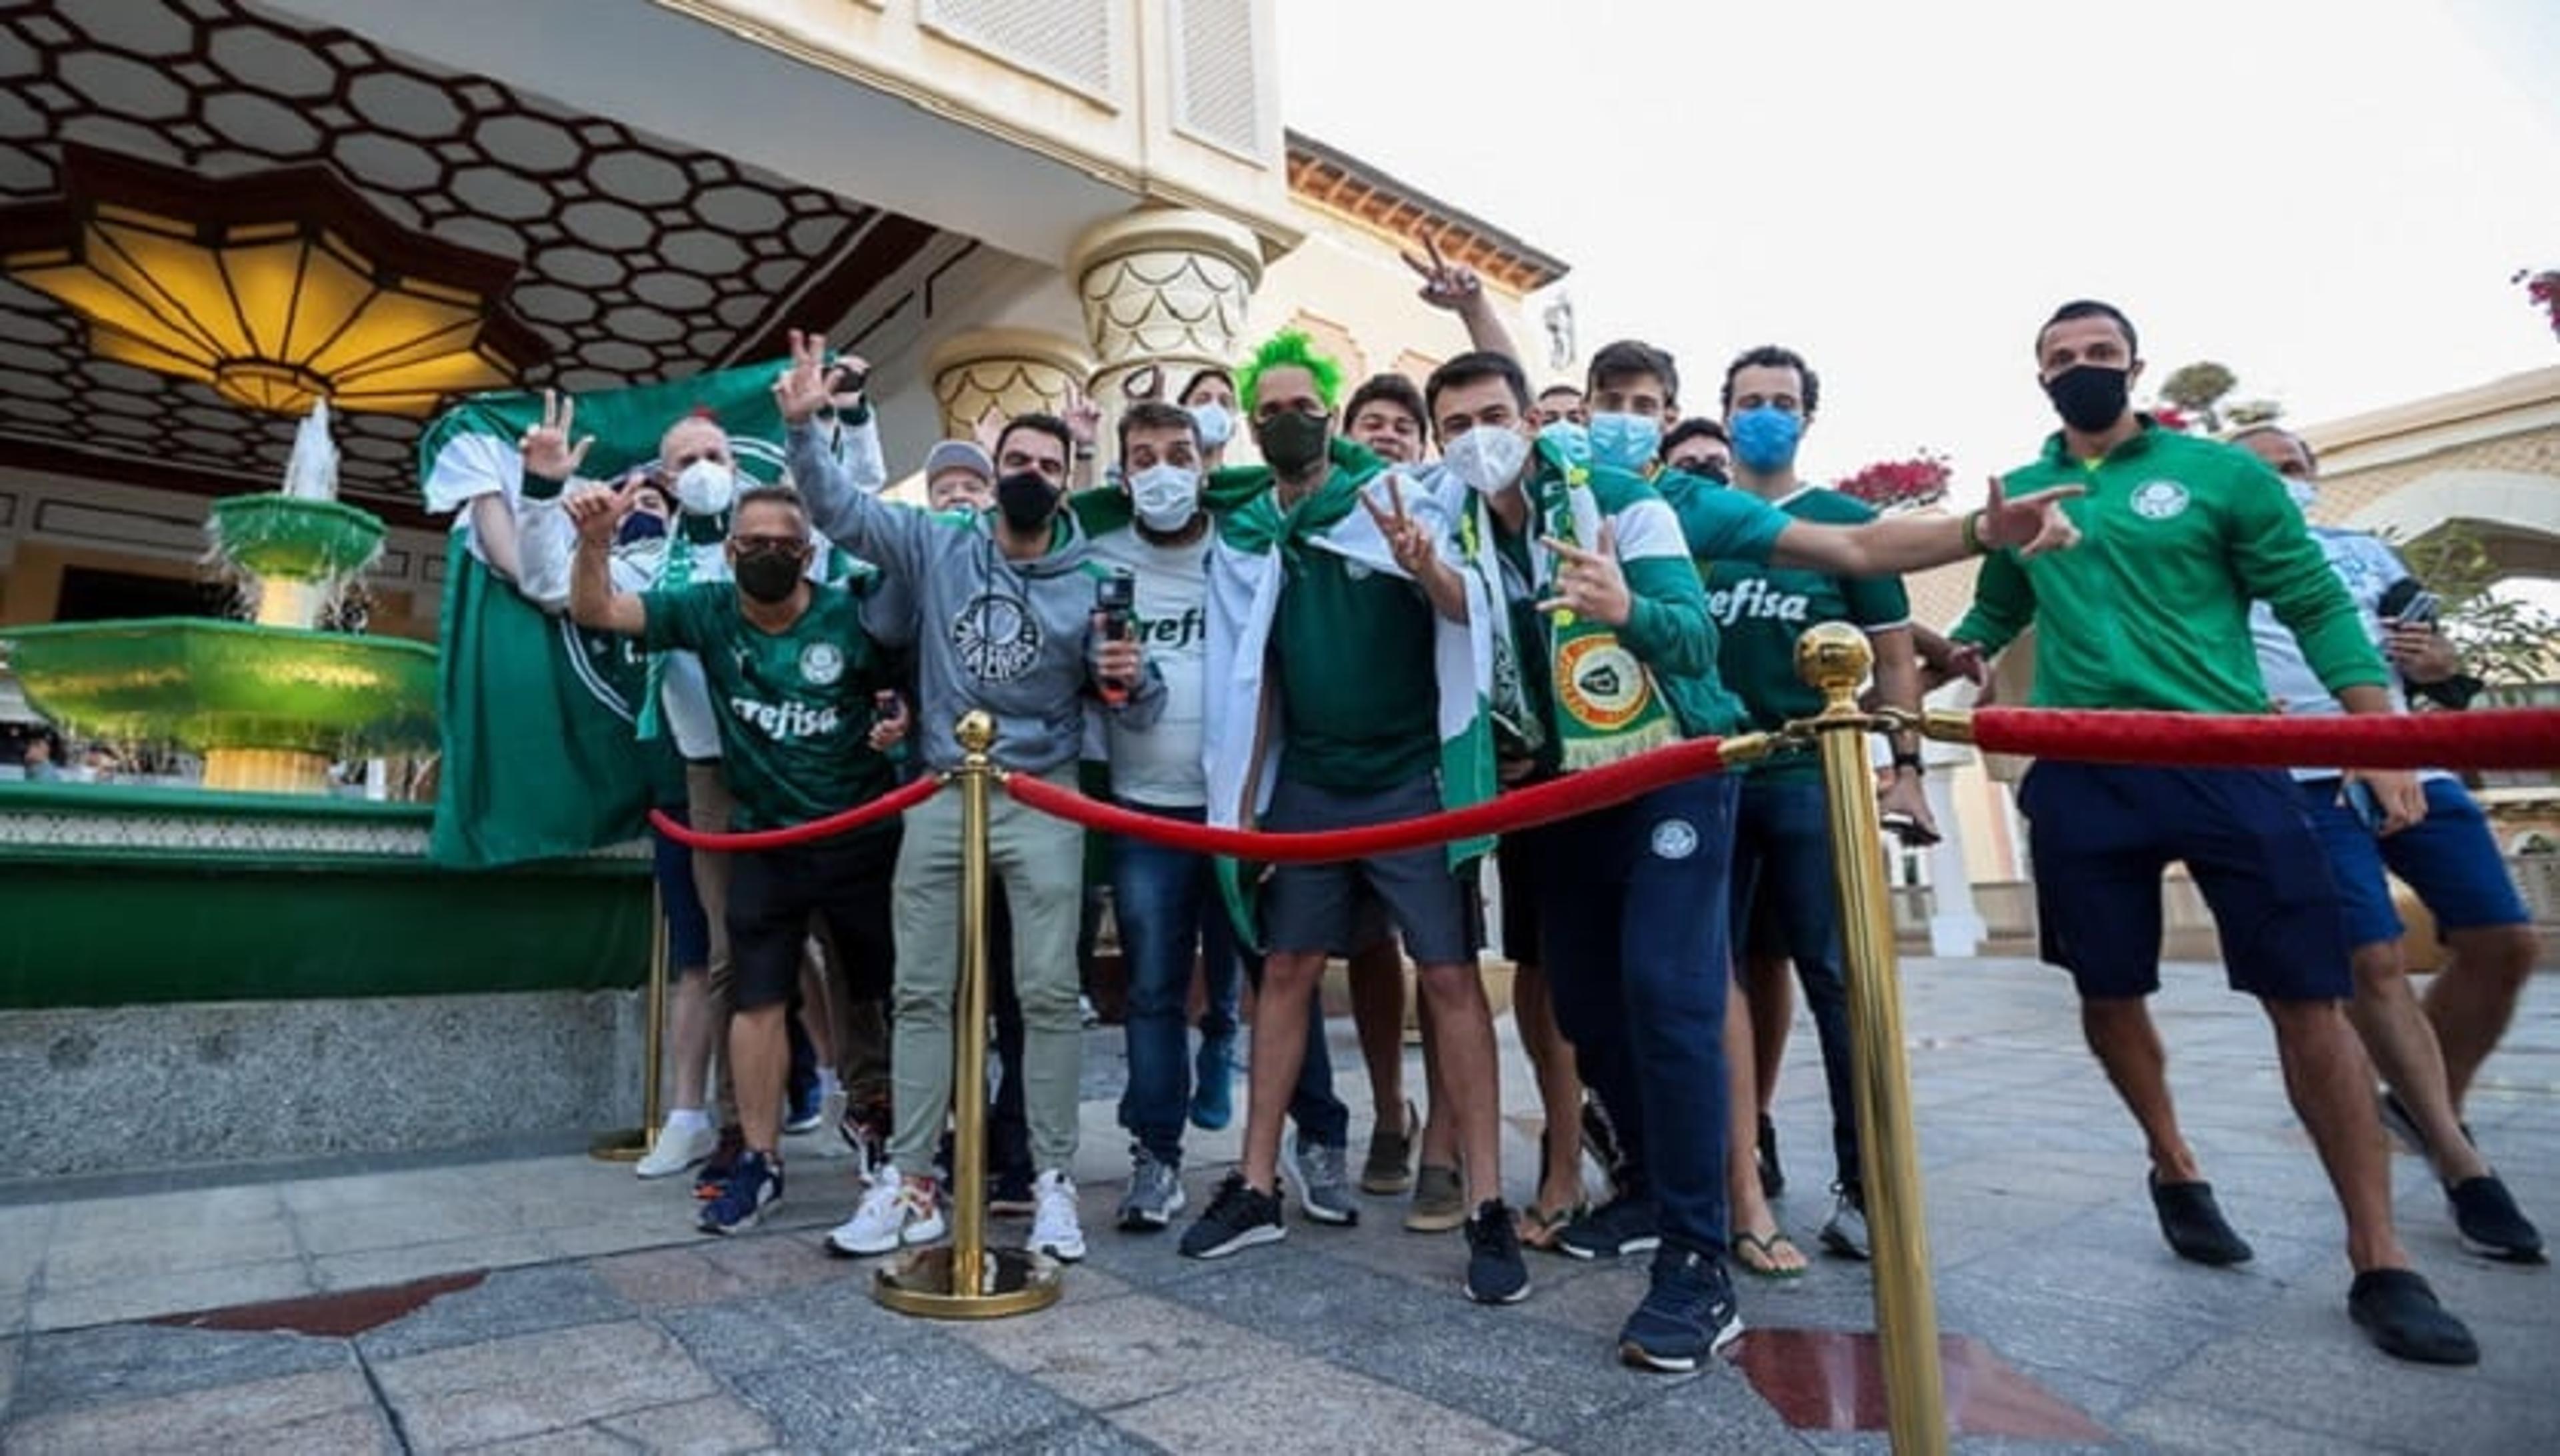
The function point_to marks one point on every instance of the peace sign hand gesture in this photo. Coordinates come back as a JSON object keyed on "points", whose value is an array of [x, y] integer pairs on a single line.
{"points": [[546, 447], [1590, 584], [805, 388], [1410, 541], [1445, 284]]}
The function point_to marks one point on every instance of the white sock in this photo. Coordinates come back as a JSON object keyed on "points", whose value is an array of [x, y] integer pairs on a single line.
{"points": [[685, 1119]]}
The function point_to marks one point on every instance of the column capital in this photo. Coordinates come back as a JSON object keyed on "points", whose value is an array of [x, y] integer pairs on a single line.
{"points": [[1163, 286], [1003, 372]]}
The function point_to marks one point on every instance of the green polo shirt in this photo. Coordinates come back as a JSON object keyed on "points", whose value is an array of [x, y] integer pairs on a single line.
{"points": [[2178, 536]]}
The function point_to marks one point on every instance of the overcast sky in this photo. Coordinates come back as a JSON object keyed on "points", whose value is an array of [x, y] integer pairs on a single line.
{"points": [[2328, 198]]}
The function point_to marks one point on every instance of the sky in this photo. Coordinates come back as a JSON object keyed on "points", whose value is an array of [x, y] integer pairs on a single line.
{"points": [[2327, 198]]}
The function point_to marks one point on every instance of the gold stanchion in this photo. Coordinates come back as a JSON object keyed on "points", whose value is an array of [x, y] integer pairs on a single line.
{"points": [[968, 1280], [1835, 657], [630, 1144]]}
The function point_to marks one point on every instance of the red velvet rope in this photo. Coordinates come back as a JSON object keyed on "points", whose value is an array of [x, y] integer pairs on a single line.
{"points": [[888, 805], [1596, 788], [2497, 737]]}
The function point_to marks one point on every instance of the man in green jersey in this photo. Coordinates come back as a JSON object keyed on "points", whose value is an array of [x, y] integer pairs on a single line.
{"points": [[1782, 857], [793, 679], [2152, 612]]}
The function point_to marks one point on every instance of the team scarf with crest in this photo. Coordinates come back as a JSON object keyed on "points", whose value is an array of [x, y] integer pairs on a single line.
{"points": [[1605, 704]]}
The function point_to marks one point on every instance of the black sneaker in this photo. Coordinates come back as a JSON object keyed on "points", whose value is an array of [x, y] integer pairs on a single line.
{"points": [[1621, 1226], [2490, 1221], [2194, 1225], [755, 1186], [1009, 1194], [1773, 1178], [1495, 1273], [1240, 1216], [1689, 1313], [712, 1178], [2398, 1311]]}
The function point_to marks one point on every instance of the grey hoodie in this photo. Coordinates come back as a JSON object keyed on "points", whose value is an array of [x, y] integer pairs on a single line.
{"points": [[1011, 637]]}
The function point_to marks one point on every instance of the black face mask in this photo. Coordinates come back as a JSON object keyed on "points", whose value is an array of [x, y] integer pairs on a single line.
{"points": [[769, 576], [2089, 397], [1292, 441], [1027, 499]]}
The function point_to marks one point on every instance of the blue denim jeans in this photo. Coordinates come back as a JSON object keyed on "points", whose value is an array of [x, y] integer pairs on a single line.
{"points": [[1169, 908], [1635, 929], [1782, 853]]}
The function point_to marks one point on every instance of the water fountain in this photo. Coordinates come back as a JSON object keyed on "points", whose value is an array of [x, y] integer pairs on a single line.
{"points": [[268, 703]]}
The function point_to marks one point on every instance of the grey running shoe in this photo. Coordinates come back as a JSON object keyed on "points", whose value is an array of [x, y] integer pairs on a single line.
{"points": [[1324, 1182], [1155, 1195], [1846, 1232]]}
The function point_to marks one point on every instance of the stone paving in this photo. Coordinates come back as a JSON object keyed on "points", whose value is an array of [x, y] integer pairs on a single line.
{"points": [[576, 1312]]}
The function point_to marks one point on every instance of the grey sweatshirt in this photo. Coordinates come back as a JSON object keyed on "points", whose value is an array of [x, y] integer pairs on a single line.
{"points": [[1011, 637]]}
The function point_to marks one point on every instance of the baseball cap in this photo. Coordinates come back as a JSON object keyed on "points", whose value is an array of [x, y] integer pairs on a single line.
{"points": [[959, 456]]}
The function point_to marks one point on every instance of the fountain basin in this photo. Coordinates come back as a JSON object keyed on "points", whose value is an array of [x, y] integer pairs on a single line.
{"points": [[208, 685], [282, 538]]}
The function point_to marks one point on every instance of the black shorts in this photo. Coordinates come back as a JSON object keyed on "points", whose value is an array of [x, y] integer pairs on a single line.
{"points": [[1517, 858], [772, 894], [2103, 835], [1314, 908]]}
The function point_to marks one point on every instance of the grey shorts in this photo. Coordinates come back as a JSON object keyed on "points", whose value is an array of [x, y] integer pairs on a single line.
{"points": [[1313, 908]]}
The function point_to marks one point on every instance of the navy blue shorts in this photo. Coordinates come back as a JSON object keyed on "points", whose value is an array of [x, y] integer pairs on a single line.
{"points": [[2449, 858], [689, 928], [2103, 835]]}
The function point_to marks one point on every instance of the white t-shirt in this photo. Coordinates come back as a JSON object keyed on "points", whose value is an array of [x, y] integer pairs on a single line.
{"points": [[2367, 568], [1161, 766]]}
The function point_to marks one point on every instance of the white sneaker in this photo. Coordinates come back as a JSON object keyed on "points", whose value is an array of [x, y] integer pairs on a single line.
{"points": [[1056, 1230], [892, 1212], [678, 1148]]}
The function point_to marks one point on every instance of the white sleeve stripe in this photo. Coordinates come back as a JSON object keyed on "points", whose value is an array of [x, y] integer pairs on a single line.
{"points": [[1648, 529]]}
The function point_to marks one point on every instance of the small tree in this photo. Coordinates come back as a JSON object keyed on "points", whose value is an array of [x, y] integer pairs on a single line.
{"points": [[2506, 643], [2198, 387]]}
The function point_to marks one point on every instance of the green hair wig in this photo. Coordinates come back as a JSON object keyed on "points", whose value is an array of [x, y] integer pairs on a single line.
{"points": [[1288, 349]]}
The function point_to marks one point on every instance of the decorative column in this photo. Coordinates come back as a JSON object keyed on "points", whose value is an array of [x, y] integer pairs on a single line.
{"points": [[998, 374], [1166, 286]]}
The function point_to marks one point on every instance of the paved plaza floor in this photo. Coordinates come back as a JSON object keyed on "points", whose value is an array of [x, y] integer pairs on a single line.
{"points": [[556, 1304]]}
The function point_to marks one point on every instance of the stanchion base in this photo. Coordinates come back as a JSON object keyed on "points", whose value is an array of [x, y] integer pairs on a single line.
{"points": [[1017, 1282], [622, 1144]]}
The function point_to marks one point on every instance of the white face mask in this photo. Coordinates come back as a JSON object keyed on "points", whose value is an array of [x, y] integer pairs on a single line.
{"points": [[1487, 457], [1216, 425], [1165, 496], [2303, 492], [706, 488]]}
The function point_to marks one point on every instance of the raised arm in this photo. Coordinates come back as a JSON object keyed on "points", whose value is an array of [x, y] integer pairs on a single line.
{"points": [[597, 514], [888, 536]]}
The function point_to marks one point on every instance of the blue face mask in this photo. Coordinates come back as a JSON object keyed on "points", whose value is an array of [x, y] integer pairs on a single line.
{"points": [[1570, 441], [1625, 442], [639, 526], [1764, 440]]}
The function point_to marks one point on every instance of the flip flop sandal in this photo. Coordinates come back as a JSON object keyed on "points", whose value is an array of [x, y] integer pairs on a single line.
{"points": [[1540, 1228], [1757, 1256]]}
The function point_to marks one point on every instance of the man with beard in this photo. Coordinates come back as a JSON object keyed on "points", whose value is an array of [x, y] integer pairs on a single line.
{"points": [[2154, 613], [1005, 607]]}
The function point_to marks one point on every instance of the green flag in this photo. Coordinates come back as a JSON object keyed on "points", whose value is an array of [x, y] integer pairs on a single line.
{"points": [[537, 715]]}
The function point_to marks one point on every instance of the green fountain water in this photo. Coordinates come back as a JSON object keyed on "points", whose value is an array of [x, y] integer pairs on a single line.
{"points": [[267, 704]]}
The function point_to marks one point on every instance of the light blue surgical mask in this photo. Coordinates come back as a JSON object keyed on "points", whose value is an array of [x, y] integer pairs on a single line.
{"points": [[1765, 439], [1625, 442], [1216, 425], [1570, 441]]}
